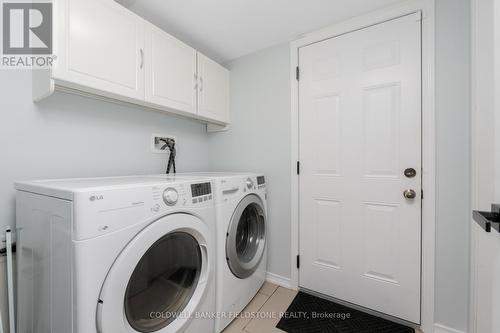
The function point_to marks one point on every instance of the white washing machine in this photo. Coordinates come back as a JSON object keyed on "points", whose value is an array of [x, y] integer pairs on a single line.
{"points": [[116, 255], [241, 210]]}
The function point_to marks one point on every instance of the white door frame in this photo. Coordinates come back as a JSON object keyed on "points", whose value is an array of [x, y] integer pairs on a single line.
{"points": [[428, 136]]}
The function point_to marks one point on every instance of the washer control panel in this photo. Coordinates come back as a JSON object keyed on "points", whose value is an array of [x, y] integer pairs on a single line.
{"points": [[249, 184], [261, 182], [113, 209], [181, 195], [170, 196], [201, 192]]}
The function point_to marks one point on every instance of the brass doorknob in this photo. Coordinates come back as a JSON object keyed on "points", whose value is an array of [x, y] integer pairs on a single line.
{"points": [[410, 194]]}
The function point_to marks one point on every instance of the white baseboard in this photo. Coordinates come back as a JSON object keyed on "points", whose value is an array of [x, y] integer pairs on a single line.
{"points": [[438, 328], [280, 280]]}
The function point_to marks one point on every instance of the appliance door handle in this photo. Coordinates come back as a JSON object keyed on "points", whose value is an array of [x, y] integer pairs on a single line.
{"points": [[204, 259], [231, 190], [99, 316], [142, 58]]}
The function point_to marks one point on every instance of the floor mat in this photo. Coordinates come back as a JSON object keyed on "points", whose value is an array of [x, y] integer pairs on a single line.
{"points": [[311, 314]]}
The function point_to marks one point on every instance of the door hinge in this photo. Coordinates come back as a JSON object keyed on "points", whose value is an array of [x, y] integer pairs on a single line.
{"points": [[298, 261], [298, 167], [297, 73], [422, 194]]}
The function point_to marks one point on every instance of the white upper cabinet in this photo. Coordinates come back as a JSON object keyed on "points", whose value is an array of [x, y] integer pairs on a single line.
{"points": [[213, 89], [104, 50], [170, 71], [104, 47]]}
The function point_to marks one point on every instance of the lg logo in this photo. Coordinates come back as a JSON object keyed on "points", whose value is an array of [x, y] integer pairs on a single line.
{"points": [[27, 28], [96, 197]]}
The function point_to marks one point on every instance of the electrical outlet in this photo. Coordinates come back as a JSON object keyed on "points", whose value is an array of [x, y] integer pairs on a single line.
{"points": [[158, 141]]}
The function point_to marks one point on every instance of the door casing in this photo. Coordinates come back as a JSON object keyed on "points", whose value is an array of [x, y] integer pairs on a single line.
{"points": [[485, 21], [425, 8]]}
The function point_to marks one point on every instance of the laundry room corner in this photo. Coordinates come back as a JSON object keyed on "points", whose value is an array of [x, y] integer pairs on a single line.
{"points": [[258, 140]]}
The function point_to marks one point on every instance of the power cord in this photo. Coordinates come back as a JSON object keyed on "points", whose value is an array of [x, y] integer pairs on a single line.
{"points": [[170, 144]]}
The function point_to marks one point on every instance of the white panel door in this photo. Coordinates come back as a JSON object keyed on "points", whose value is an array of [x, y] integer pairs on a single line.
{"points": [[170, 71], [360, 129], [104, 46], [213, 90]]}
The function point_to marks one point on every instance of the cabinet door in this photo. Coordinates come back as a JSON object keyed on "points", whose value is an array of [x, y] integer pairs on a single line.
{"points": [[101, 47], [170, 71], [213, 95]]}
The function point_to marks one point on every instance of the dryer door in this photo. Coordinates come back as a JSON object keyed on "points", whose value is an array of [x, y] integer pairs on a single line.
{"points": [[158, 280], [246, 237]]}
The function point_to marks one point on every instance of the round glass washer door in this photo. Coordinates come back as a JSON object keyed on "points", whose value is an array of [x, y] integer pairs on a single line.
{"points": [[163, 282], [159, 279], [246, 237]]}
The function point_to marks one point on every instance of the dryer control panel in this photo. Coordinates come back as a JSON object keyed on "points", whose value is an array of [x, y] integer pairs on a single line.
{"points": [[107, 210], [201, 189], [261, 182], [201, 192], [182, 195]]}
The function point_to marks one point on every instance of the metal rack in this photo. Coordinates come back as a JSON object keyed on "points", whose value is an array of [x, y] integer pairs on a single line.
{"points": [[10, 248]]}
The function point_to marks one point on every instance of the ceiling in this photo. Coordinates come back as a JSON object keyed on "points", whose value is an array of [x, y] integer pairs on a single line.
{"points": [[228, 29]]}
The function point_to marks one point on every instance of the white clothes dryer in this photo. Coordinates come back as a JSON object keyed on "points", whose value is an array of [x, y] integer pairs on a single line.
{"points": [[116, 255], [241, 262]]}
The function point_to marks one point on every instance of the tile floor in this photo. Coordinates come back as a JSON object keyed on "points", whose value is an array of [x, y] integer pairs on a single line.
{"points": [[256, 317], [271, 299]]}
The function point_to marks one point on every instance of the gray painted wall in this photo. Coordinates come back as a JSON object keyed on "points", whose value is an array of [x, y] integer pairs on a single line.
{"points": [[259, 139], [453, 161], [71, 136]]}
